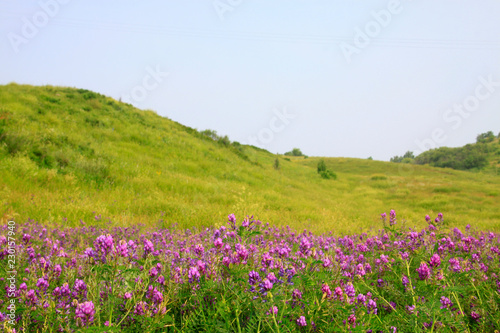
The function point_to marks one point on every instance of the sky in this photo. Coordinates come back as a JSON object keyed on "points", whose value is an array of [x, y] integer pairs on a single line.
{"points": [[346, 78]]}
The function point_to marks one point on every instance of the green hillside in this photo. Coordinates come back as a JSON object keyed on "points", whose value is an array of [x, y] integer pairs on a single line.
{"points": [[70, 154], [483, 155]]}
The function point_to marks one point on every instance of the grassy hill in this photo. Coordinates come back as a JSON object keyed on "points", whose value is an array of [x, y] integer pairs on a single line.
{"points": [[70, 154], [483, 155]]}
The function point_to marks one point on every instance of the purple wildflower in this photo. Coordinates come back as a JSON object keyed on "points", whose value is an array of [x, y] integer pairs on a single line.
{"points": [[140, 308], [454, 264], [199, 249], [296, 294], [410, 309], [42, 284], [85, 311], [218, 243], [122, 248], [193, 274], [253, 277], [445, 302], [80, 288], [89, 252], [371, 306], [273, 310], [302, 321], [475, 315], [157, 296], [423, 271], [271, 277], [148, 247], [325, 288], [31, 297], [435, 260], [360, 270], [26, 238], [392, 217], [405, 280], [104, 244], [349, 290], [352, 320], [266, 285], [57, 270], [338, 293], [153, 272]]}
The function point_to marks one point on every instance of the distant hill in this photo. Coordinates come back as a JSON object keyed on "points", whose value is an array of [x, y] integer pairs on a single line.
{"points": [[484, 155], [69, 155]]}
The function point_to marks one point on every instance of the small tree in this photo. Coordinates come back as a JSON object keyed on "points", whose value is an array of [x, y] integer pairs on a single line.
{"points": [[324, 172], [294, 152], [276, 164], [321, 166], [397, 159], [408, 157], [224, 140], [210, 133], [409, 154], [485, 137]]}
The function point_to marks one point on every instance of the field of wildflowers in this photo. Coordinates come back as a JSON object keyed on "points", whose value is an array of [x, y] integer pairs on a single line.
{"points": [[251, 277]]}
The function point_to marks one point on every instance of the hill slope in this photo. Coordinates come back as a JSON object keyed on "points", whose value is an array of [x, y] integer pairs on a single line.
{"points": [[483, 155], [69, 154]]}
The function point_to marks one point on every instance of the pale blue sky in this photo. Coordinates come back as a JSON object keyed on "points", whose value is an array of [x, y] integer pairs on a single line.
{"points": [[233, 71]]}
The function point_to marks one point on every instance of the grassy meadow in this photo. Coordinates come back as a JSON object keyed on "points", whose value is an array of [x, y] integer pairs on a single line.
{"points": [[70, 154], [115, 219]]}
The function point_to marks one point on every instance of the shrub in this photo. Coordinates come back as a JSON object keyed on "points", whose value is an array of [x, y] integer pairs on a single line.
{"points": [[276, 164], [406, 158], [15, 143], [210, 133], [328, 174], [324, 172], [321, 166], [294, 152], [485, 137], [471, 156], [224, 140]]}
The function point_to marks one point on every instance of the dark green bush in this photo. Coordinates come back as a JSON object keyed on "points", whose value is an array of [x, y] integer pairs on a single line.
{"points": [[485, 137], [328, 174], [324, 172], [15, 143], [471, 156], [294, 152], [321, 166], [276, 164]]}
